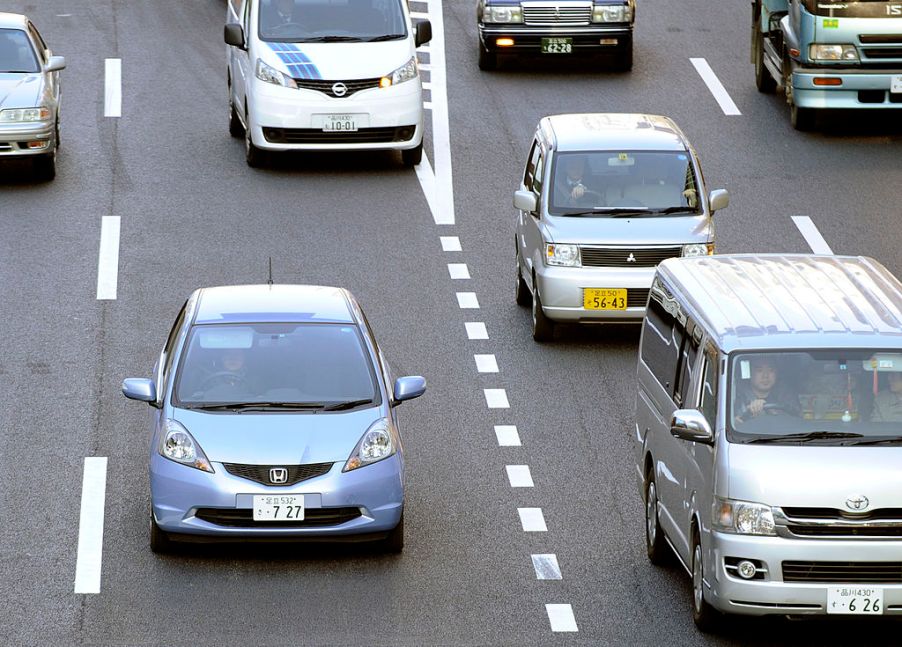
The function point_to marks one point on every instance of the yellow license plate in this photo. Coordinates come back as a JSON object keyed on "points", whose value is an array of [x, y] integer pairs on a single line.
{"points": [[604, 298]]}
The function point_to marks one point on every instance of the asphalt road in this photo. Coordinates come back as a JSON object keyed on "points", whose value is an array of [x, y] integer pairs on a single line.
{"points": [[193, 214]]}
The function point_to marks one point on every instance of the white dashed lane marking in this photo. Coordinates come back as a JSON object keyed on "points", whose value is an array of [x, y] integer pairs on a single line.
{"points": [[560, 616], [486, 363], [458, 271], [715, 86], [467, 300], [112, 91], [450, 243], [496, 399], [811, 234], [546, 567], [519, 475], [532, 520], [90, 526], [507, 436], [476, 330], [108, 258]]}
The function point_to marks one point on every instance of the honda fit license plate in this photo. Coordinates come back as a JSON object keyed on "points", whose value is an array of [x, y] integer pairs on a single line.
{"points": [[855, 600], [557, 45], [604, 298], [278, 507]]}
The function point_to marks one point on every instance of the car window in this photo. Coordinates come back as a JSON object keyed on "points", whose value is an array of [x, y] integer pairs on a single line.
{"points": [[708, 395], [531, 165], [300, 21], [16, 52], [169, 348], [42, 46], [662, 338], [688, 357], [539, 174]]}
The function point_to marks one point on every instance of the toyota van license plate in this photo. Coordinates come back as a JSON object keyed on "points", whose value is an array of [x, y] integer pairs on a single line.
{"points": [[604, 298], [557, 45], [855, 600], [281, 507], [896, 85], [340, 124]]}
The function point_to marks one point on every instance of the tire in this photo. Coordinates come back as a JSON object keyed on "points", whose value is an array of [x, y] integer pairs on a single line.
{"points": [[802, 119], [655, 545], [624, 60], [394, 543], [160, 542], [524, 296], [236, 129], [542, 326], [487, 60], [56, 131], [45, 166], [765, 83], [705, 617], [412, 156], [255, 157]]}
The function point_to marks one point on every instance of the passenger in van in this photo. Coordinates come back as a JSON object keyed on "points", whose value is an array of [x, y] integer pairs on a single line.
{"points": [[888, 404], [760, 394]]}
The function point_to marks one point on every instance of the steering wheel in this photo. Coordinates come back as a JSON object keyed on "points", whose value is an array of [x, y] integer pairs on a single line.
{"points": [[278, 28], [589, 198], [772, 408], [223, 377], [627, 202]]}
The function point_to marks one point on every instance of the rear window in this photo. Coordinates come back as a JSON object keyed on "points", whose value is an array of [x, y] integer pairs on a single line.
{"points": [[16, 52], [311, 21]]}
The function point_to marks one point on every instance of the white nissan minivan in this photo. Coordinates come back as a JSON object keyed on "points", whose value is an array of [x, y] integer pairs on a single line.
{"points": [[325, 74]]}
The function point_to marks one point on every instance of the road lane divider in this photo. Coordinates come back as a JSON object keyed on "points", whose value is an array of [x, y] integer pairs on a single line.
{"points": [[108, 258], [532, 520], [519, 475], [715, 86], [546, 567], [507, 436], [112, 92], [450, 243], [90, 526], [476, 330], [486, 363], [496, 399], [560, 617], [812, 236], [458, 271], [467, 301]]}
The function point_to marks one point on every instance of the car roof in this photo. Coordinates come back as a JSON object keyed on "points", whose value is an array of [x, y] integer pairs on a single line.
{"points": [[790, 300], [12, 20], [273, 303], [613, 131]]}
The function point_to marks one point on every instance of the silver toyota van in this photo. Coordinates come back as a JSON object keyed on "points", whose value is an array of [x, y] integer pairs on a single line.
{"points": [[768, 437]]}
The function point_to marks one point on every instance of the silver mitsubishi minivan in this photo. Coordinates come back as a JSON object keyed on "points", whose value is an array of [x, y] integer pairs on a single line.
{"points": [[768, 437], [604, 198]]}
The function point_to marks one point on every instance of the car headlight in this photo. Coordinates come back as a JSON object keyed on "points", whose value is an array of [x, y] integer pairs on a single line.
{"points": [[563, 255], [377, 444], [698, 249], [179, 446], [743, 517], [269, 74], [502, 13], [611, 13], [406, 72], [832, 52], [24, 115]]}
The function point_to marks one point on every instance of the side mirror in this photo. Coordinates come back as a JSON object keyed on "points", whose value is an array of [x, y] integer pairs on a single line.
{"points": [[718, 199], [55, 64], [690, 424], [234, 35], [408, 388], [139, 388], [525, 201], [422, 32]]}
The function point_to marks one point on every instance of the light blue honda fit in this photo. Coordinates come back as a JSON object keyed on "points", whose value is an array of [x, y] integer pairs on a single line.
{"points": [[274, 418]]}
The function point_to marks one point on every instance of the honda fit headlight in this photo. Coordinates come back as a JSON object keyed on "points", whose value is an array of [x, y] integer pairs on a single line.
{"points": [[269, 74], [377, 444], [612, 13], [179, 446], [406, 72], [818, 52], [502, 13], [24, 115], [743, 517], [698, 249], [562, 255]]}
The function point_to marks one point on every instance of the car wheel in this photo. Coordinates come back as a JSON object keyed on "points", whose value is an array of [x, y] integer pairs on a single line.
{"points": [[655, 544], [254, 157], [763, 80], [624, 60], [45, 166], [542, 326], [235, 127], [412, 156], [394, 543], [487, 60], [704, 615], [56, 131], [802, 119], [159, 540], [524, 296]]}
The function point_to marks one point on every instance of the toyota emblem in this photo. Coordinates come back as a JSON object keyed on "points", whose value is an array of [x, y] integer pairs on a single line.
{"points": [[339, 89], [278, 475], [857, 503]]}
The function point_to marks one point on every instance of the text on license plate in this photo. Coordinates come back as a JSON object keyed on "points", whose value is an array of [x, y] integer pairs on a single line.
{"points": [[340, 123], [856, 600], [278, 507], [896, 85], [557, 45], [604, 298]]}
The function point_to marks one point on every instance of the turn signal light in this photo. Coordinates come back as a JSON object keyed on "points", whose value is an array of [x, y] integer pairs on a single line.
{"points": [[37, 144], [828, 80], [504, 42]]}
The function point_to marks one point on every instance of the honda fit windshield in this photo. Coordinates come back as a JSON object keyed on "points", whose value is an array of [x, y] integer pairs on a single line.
{"points": [[16, 54], [313, 366], [306, 21], [618, 183], [825, 397], [860, 9]]}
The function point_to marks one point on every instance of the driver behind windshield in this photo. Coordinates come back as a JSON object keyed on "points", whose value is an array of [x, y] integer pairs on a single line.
{"points": [[569, 185], [762, 394], [888, 404]]}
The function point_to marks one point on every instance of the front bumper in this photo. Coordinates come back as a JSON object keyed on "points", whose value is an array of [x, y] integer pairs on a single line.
{"points": [[860, 89], [178, 492], [396, 112], [528, 39], [561, 290], [14, 139], [772, 595]]}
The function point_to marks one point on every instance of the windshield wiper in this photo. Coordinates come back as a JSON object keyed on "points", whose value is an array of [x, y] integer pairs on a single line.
{"points": [[805, 437], [350, 404], [608, 211], [376, 39], [880, 441], [259, 406], [661, 212], [330, 39]]}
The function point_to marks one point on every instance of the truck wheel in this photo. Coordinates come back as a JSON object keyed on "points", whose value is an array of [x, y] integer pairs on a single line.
{"points": [[763, 80], [802, 119], [487, 60]]}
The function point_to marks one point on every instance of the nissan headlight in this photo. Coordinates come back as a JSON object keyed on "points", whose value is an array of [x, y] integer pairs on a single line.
{"points": [[502, 13], [698, 249], [179, 446], [269, 74], [406, 72], [612, 13], [818, 52], [24, 115], [377, 444], [743, 517], [563, 255]]}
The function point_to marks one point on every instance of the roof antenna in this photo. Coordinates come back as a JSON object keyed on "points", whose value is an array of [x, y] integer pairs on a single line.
{"points": [[270, 270]]}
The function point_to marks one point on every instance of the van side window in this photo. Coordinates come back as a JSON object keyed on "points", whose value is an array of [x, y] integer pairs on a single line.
{"points": [[707, 401], [662, 339], [538, 174], [688, 355]]}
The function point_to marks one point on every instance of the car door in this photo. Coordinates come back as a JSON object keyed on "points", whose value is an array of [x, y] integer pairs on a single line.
{"points": [[44, 54], [523, 216], [699, 457], [534, 241], [239, 58]]}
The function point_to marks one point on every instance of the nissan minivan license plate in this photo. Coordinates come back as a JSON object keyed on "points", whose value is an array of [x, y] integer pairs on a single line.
{"points": [[340, 123], [855, 600], [557, 45], [896, 85], [604, 298], [278, 507]]}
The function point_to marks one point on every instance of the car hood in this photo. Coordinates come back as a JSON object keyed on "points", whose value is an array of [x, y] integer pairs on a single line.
{"points": [[337, 61], [277, 438], [816, 477], [666, 230], [20, 90]]}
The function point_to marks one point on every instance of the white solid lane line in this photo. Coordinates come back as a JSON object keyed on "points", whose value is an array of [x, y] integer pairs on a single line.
{"points": [[496, 399], [108, 259], [560, 616], [467, 300], [458, 271], [546, 567], [427, 181], [450, 243], [90, 526], [811, 235], [112, 92], [715, 86], [441, 131], [507, 435], [532, 519], [519, 475], [486, 363], [476, 330]]}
